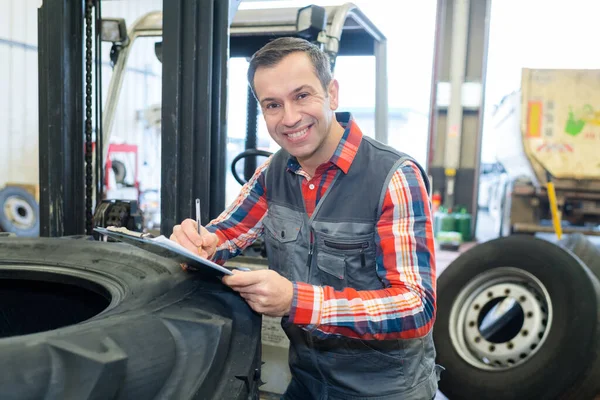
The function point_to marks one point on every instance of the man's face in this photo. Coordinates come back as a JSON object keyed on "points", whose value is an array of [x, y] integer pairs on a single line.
{"points": [[296, 108]]}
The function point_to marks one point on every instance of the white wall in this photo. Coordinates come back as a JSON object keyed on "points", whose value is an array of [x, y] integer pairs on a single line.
{"points": [[19, 84], [18, 92]]}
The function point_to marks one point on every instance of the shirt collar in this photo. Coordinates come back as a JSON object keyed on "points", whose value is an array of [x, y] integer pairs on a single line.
{"points": [[346, 149]]}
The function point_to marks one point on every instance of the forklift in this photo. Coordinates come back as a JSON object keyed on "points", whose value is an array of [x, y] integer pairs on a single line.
{"points": [[110, 320], [194, 113]]}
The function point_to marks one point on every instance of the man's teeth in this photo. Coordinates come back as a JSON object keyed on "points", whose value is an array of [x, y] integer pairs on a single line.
{"points": [[297, 134]]}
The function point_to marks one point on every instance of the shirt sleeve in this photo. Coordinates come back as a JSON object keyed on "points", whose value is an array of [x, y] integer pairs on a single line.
{"points": [[241, 223], [405, 263]]}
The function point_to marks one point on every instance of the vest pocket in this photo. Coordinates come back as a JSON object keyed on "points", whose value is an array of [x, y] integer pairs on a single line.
{"points": [[364, 366], [280, 239], [353, 247], [351, 260], [332, 269]]}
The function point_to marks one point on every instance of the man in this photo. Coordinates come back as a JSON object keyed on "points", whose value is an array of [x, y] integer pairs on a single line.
{"points": [[348, 230]]}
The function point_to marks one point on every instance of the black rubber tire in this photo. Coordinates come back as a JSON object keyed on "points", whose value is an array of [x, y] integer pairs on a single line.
{"points": [[166, 334], [566, 365], [6, 221], [583, 248], [77, 237]]}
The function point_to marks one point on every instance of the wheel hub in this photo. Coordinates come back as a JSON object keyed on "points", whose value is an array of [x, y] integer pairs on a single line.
{"points": [[500, 318], [19, 212], [511, 348]]}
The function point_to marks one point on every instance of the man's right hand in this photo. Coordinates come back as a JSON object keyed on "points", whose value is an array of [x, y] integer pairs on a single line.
{"points": [[187, 235]]}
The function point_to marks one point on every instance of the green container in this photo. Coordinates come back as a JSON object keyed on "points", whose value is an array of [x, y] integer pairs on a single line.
{"points": [[447, 223], [437, 220], [463, 224]]}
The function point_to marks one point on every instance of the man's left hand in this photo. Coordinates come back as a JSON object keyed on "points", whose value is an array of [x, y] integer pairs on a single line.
{"points": [[266, 291]]}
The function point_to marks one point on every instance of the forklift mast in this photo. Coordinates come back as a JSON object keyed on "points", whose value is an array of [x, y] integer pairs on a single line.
{"points": [[195, 39]]}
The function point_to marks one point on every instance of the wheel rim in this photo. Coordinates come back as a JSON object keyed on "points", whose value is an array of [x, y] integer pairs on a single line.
{"points": [[19, 212], [500, 318]]}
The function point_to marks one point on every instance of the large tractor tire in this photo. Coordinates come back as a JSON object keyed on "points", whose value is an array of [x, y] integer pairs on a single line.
{"points": [[92, 320], [518, 318]]}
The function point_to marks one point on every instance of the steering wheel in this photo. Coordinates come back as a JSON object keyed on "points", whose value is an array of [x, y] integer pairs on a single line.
{"points": [[246, 154]]}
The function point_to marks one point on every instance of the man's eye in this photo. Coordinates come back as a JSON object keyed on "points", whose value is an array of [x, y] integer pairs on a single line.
{"points": [[302, 96], [270, 106]]}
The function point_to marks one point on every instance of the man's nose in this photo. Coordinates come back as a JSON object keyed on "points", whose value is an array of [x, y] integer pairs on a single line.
{"points": [[291, 115]]}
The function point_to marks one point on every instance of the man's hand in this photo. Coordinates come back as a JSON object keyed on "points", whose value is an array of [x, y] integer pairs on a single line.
{"points": [[266, 291], [187, 235]]}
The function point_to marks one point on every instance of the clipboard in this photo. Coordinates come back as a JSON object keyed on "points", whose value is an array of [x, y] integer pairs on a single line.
{"points": [[163, 247]]}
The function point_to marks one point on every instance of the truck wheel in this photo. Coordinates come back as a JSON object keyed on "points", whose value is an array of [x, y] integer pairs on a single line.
{"points": [[583, 248], [518, 318], [95, 320], [19, 212]]}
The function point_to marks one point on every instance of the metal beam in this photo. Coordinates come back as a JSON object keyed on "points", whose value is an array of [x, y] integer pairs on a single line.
{"points": [[381, 92], [457, 100], [60, 61], [187, 96], [458, 61], [224, 12]]}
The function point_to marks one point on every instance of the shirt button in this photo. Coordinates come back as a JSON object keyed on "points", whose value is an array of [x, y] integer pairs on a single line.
{"points": [[311, 186]]}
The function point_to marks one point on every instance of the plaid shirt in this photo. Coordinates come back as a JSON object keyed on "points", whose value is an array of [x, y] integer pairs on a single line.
{"points": [[406, 256]]}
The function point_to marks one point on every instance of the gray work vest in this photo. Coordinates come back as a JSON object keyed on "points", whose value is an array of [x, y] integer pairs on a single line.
{"points": [[336, 247]]}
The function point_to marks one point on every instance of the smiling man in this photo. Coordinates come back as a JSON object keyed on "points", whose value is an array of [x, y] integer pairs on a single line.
{"points": [[348, 230]]}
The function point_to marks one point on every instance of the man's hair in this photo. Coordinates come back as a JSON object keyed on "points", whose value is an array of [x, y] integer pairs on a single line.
{"points": [[273, 52]]}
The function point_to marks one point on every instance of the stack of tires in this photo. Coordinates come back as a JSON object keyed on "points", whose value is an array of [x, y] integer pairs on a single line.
{"points": [[519, 318]]}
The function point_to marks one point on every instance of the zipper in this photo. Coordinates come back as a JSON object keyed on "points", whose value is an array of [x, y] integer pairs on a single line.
{"points": [[310, 249], [350, 246], [346, 246]]}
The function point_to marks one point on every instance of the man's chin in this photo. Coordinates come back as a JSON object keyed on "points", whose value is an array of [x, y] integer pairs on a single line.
{"points": [[298, 152], [301, 155]]}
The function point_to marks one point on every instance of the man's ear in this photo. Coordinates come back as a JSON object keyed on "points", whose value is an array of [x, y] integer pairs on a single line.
{"points": [[333, 92]]}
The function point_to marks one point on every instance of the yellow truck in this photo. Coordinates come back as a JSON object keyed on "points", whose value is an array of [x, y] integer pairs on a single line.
{"points": [[550, 129]]}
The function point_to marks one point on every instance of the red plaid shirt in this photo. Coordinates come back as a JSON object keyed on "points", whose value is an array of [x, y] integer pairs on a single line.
{"points": [[404, 233]]}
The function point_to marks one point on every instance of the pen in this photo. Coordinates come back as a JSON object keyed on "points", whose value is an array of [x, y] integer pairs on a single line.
{"points": [[198, 220]]}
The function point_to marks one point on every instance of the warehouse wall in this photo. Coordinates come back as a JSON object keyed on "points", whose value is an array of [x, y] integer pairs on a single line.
{"points": [[19, 84], [18, 92]]}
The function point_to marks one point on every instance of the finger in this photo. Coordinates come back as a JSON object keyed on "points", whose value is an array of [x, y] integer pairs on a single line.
{"points": [[204, 231], [232, 283], [209, 239], [176, 231], [255, 306], [183, 240], [202, 252], [243, 279], [190, 230], [247, 296], [251, 289]]}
